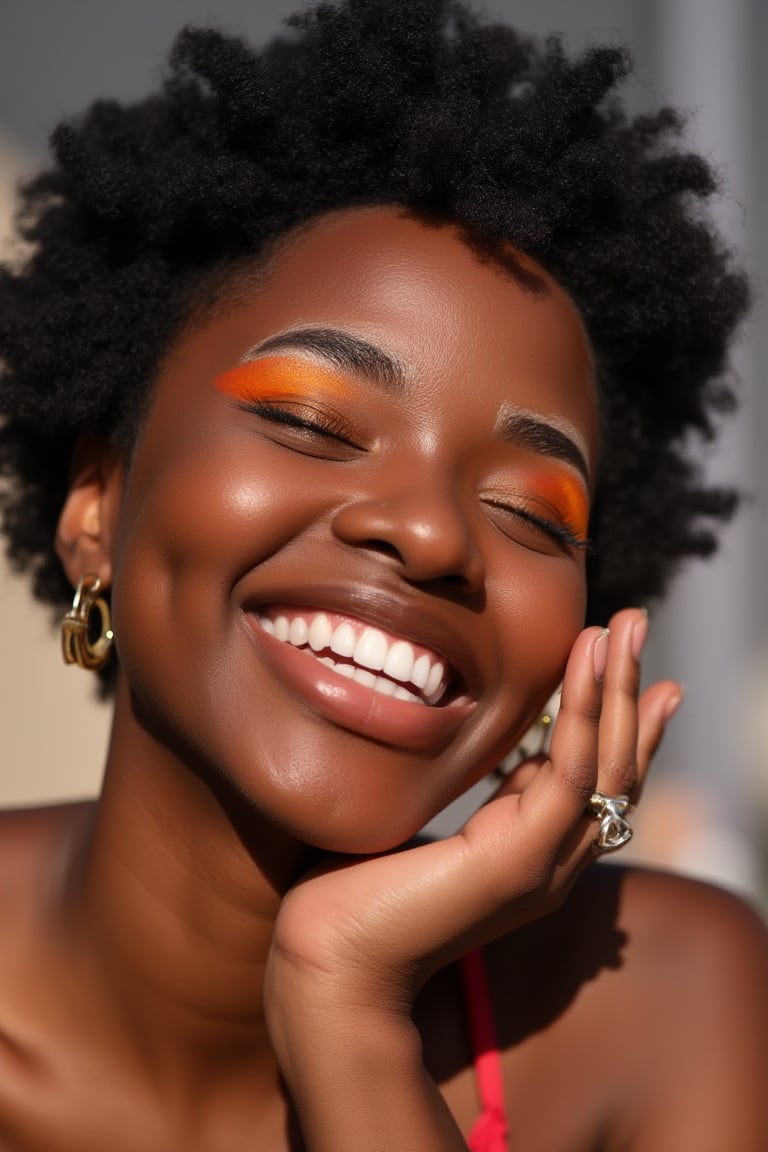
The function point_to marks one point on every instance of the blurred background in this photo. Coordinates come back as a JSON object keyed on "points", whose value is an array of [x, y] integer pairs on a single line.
{"points": [[706, 810]]}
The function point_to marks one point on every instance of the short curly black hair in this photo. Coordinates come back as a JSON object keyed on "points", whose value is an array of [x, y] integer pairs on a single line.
{"points": [[420, 103]]}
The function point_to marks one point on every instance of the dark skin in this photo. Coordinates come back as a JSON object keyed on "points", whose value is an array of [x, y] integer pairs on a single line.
{"points": [[224, 949]]}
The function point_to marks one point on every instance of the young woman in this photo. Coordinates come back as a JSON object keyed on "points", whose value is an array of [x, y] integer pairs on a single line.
{"points": [[355, 379]]}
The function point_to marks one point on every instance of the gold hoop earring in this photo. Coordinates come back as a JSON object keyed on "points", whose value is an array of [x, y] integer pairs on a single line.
{"points": [[77, 627]]}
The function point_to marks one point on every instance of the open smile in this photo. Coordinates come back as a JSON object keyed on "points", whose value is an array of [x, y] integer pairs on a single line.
{"points": [[369, 656], [361, 677]]}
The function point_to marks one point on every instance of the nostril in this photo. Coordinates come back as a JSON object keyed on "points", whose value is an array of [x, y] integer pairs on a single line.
{"points": [[384, 547], [456, 580], [427, 537]]}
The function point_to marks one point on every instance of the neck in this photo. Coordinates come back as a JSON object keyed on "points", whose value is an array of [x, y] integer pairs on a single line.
{"points": [[172, 896]]}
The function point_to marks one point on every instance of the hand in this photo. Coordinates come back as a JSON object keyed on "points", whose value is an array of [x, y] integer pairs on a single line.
{"points": [[390, 921], [355, 941]]}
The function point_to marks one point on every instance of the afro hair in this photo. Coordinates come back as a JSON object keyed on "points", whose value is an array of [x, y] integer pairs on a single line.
{"points": [[419, 103]]}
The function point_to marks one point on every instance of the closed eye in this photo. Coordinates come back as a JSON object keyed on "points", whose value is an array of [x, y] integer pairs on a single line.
{"points": [[565, 535], [304, 419]]}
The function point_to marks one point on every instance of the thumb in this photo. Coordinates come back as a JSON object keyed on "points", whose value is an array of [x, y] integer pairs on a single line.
{"points": [[517, 779]]}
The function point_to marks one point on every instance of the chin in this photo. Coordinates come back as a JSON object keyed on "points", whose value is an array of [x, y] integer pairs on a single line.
{"points": [[357, 830]]}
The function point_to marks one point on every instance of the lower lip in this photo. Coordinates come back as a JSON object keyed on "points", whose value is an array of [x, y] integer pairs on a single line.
{"points": [[355, 707]]}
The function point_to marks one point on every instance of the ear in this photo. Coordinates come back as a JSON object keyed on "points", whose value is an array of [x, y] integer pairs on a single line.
{"points": [[88, 520]]}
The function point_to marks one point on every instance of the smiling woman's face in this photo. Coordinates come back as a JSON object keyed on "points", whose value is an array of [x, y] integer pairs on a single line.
{"points": [[349, 562]]}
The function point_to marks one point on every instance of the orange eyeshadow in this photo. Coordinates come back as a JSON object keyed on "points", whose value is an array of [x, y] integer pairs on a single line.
{"points": [[567, 494], [274, 377]]}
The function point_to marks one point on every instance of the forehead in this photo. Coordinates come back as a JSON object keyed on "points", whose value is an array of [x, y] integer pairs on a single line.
{"points": [[465, 329], [383, 264]]}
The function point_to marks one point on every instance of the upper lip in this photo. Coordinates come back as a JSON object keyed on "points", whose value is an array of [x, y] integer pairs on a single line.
{"points": [[409, 618]]}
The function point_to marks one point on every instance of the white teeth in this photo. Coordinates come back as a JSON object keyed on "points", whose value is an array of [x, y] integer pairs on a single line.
{"points": [[320, 632], [434, 679], [343, 639], [371, 649], [401, 693], [368, 680], [421, 668], [298, 632], [399, 661]]}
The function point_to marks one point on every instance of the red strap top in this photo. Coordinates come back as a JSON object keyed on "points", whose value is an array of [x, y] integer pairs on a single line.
{"points": [[489, 1133]]}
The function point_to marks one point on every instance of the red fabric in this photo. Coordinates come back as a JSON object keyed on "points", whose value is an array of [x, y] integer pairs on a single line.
{"points": [[490, 1130]]}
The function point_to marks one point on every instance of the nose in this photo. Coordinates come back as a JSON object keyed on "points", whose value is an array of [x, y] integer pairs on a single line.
{"points": [[423, 529]]}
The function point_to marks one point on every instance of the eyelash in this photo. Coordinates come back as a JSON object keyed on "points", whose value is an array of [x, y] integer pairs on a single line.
{"points": [[320, 425], [562, 534], [323, 425]]}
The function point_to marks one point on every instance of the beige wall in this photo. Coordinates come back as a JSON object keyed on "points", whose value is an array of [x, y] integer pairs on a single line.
{"points": [[52, 731]]}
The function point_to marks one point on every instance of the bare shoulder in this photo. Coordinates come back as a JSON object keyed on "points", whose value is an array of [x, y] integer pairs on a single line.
{"points": [[672, 919], [652, 893], [676, 949], [697, 959], [651, 990], [700, 960], [654, 928], [35, 847]]}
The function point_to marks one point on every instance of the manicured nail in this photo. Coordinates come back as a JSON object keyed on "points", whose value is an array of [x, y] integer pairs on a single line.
{"points": [[639, 635], [600, 654], [673, 704]]}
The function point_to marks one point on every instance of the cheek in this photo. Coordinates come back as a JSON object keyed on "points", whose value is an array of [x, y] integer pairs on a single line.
{"points": [[216, 508], [550, 599], [542, 609], [190, 528]]}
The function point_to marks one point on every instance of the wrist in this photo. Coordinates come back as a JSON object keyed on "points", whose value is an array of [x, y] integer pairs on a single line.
{"points": [[324, 1034]]}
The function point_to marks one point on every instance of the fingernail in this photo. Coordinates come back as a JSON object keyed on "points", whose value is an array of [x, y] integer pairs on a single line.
{"points": [[639, 635], [673, 704], [600, 654]]}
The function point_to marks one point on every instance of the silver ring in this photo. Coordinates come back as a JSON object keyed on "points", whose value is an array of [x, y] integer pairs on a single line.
{"points": [[615, 831]]}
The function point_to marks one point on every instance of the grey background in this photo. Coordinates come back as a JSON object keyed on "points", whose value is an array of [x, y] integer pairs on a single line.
{"points": [[706, 811]]}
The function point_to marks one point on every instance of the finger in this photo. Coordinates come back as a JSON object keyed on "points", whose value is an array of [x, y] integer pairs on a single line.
{"points": [[568, 778], [550, 793], [518, 779], [656, 707], [619, 725]]}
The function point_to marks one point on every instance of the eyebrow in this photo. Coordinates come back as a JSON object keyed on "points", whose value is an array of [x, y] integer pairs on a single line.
{"points": [[343, 350], [357, 356], [530, 430]]}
